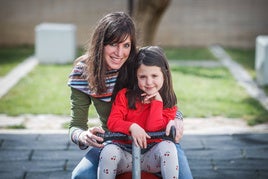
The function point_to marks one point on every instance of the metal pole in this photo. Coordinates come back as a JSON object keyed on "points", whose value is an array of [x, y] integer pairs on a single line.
{"points": [[136, 161]]}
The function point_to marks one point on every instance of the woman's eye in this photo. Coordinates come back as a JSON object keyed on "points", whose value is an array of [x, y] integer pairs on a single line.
{"points": [[127, 45]]}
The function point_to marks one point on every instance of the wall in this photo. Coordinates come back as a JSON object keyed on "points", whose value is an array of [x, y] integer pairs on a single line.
{"points": [[233, 23]]}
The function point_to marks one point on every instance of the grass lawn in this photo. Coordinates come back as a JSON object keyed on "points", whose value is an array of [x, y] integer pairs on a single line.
{"points": [[201, 92], [43, 91], [205, 92], [245, 57], [11, 57], [189, 54]]}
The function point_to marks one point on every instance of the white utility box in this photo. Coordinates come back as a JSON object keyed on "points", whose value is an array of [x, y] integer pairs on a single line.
{"points": [[261, 60], [55, 43]]}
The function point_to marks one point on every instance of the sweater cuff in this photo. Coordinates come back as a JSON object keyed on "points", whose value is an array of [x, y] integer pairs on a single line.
{"points": [[75, 138], [179, 115]]}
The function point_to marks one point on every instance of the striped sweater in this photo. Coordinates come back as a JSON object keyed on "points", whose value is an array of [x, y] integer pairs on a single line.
{"points": [[79, 82]]}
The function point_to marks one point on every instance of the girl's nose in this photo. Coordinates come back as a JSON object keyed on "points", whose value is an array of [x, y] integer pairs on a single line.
{"points": [[148, 81]]}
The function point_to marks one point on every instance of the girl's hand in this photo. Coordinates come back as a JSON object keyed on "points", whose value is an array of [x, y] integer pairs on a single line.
{"points": [[89, 138], [149, 97], [139, 136]]}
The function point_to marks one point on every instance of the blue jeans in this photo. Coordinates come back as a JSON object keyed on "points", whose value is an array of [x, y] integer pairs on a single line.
{"points": [[87, 167]]}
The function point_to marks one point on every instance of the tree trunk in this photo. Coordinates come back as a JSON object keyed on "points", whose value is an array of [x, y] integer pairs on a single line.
{"points": [[147, 15]]}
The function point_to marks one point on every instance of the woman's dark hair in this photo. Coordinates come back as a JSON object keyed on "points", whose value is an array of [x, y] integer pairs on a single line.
{"points": [[113, 28], [152, 56]]}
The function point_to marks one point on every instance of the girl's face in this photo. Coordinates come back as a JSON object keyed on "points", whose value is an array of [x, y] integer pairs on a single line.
{"points": [[150, 79], [117, 54]]}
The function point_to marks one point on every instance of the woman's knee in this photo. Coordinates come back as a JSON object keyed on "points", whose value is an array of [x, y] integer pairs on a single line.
{"points": [[87, 166], [83, 173]]}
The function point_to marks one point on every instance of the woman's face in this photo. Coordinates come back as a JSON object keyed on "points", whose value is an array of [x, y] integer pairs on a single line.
{"points": [[150, 79], [117, 54]]}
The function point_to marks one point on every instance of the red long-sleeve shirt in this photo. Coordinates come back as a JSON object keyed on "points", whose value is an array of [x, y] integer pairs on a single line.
{"points": [[151, 117]]}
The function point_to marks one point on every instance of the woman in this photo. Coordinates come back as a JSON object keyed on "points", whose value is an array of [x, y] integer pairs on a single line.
{"points": [[112, 49]]}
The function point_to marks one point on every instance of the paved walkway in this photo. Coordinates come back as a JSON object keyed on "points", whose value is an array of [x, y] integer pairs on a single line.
{"points": [[216, 148], [30, 155]]}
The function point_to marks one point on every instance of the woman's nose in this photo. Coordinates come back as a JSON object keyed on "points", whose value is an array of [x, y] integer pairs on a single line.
{"points": [[119, 51]]}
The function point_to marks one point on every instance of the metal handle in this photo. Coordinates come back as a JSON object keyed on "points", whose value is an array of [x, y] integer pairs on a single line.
{"points": [[154, 135]]}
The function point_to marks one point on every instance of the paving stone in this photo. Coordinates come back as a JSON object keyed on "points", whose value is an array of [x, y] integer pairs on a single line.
{"points": [[248, 174], [242, 164], [222, 141], [71, 164], [26, 141], [250, 138], [40, 166], [256, 153], [56, 154], [11, 141], [200, 164], [190, 142], [14, 155], [205, 174], [214, 154], [243, 156], [50, 175], [12, 175]]}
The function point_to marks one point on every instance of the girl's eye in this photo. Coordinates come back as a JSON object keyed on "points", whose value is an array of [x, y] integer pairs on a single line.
{"points": [[141, 77], [114, 44]]}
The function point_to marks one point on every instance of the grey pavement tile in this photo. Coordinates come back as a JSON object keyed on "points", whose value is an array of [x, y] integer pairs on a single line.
{"points": [[242, 164], [205, 174], [16, 137], [49, 175], [26, 141], [252, 138], [14, 155], [40, 166], [200, 164], [209, 156], [245, 174], [11, 141], [191, 142], [256, 153], [211, 142], [221, 142], [214, 154], [12, 175], [263, 174], [71, 164], [73, 146], [57, 155]]}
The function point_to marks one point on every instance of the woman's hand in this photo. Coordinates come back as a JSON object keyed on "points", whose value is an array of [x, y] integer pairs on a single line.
{"points": [[178, 123], [89, 138], [139, 136]]}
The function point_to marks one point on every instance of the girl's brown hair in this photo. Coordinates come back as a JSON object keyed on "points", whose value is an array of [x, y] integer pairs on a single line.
{"points": [[152, 56]]}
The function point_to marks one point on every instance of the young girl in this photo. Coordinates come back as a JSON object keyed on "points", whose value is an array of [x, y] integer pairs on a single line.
{"points": [[146, 106]]}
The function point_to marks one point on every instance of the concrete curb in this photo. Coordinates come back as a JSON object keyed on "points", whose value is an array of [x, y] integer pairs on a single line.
{"points": [[241, 75], [12, 78]]}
